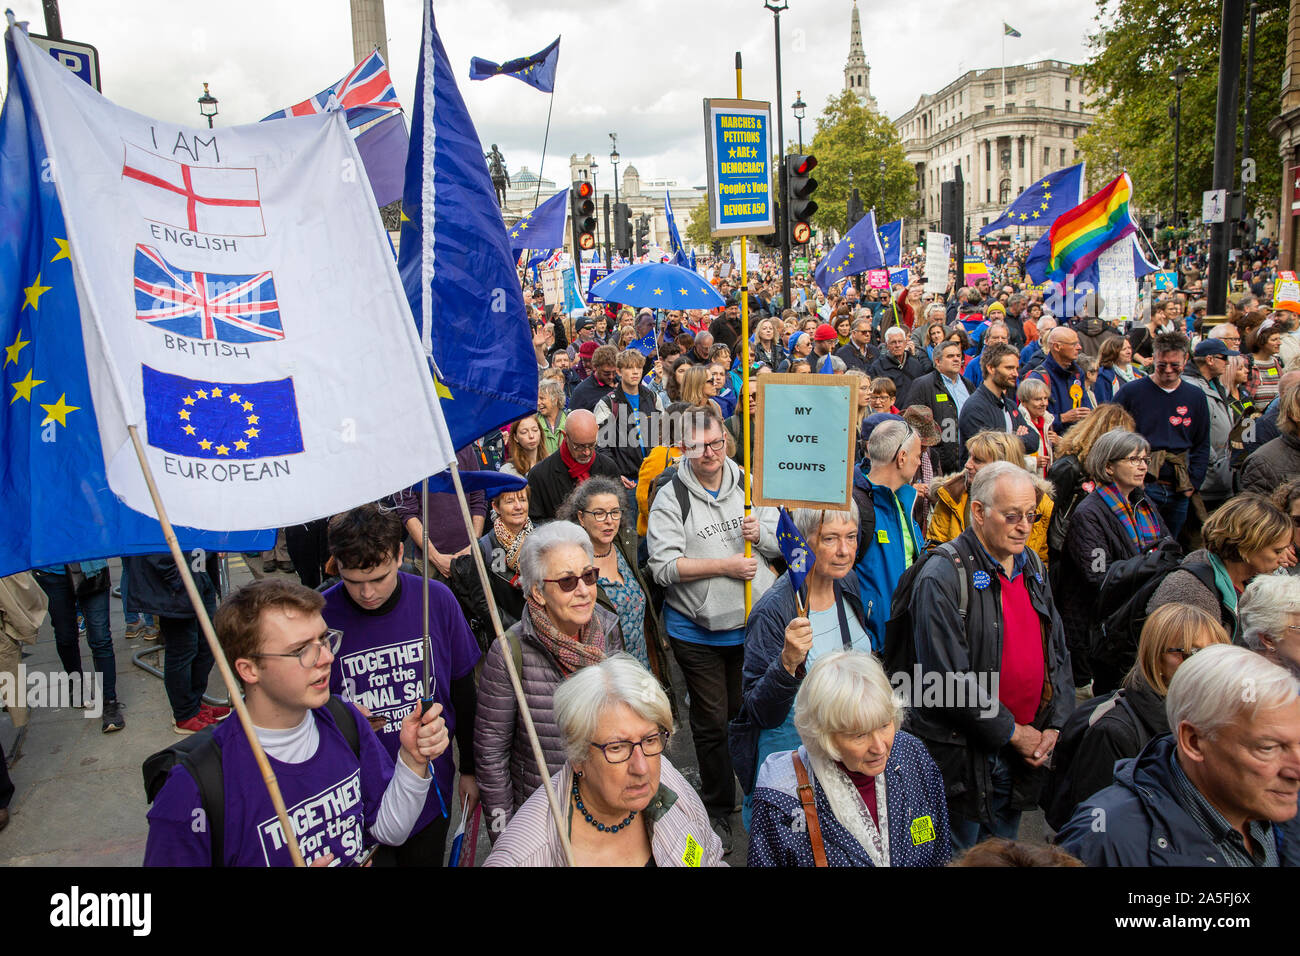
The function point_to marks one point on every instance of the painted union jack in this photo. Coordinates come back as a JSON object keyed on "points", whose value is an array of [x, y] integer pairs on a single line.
{"points": [[366, 94], [205, 305]]}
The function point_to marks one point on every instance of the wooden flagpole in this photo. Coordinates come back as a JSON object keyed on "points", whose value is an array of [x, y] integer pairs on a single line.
{"points": [[232, 686]]}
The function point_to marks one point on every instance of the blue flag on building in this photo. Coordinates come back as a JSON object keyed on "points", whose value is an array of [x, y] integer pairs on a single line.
{"points": [[891, 241], [456, 261], [537, 70], [857, 252], [798, 556], [674, 237], [543, 228], [1040, 204], [57, 504]]}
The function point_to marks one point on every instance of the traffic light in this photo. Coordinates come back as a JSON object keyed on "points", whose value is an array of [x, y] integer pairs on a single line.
{"points": [[623, 228], [642, 235], [799, 187], [582, 208]]}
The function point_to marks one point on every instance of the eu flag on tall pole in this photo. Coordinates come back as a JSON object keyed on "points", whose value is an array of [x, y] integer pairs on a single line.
{"points": [[1040, 204], [537, 71], [857, 252], [58, 505], [674, 237], [456, 261], [891, 241], [543, 228]]}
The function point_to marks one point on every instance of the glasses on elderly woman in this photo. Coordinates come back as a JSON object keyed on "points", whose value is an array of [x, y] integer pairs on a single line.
{"points": [[620, 751], [570, 581]]}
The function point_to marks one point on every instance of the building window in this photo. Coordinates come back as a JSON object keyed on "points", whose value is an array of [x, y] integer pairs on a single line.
{"points": [[988, 155], [1067, 86], [1080, 88], [1006, 158], [1061, 131], [1067, 106], [1004, 192], [1031, 84], [1022, 152], [1030, 104], [1011, 107], [988, 109], [1047, 156], [1011, 87], [988, 197], [1062, 155], [988, 90]]}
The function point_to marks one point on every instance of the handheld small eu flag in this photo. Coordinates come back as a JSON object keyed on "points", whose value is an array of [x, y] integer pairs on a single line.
{"points": [[798, 556]]}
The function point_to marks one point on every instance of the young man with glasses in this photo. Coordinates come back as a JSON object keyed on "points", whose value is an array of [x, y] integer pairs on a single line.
{"points": [[380, 664], [696, 542], [1007, 682], [340, 798], [1174, 416]]}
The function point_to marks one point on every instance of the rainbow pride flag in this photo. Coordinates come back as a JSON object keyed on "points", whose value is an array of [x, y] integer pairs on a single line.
{"points": [[1079, 236]]}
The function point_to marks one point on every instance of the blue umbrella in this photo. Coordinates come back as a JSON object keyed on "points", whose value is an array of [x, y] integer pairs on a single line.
{"points": [[658, 285]]}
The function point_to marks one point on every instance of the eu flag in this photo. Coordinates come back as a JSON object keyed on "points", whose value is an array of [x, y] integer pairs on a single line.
{"points": [[543, 228], [58, 506], [891, 241], [456, 261], [1041, 203], [218, 420], [798, 556], [857, 252], [674, 237], [537, 71]]}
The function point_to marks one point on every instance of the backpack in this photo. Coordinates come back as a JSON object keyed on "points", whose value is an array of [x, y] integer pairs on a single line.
{"points": [[23, 606], [866, 503], [899, 653], [1057, 799], [200, 755], [1125, 592]]}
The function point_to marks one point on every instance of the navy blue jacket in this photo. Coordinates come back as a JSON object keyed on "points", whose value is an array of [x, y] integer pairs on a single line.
{"points": [[1145, 826], [983, 412], [1155, 410], [1061, 381]]}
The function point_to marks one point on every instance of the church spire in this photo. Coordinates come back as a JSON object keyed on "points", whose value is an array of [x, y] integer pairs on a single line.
{"points": [[857, 74]]}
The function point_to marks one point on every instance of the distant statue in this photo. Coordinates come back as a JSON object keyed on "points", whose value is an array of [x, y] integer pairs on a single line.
{"points": [[497, 170]]}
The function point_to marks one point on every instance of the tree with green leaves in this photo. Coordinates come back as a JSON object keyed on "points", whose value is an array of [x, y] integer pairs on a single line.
{"points": [[1136, 49], [852, 138], [697, 230]]}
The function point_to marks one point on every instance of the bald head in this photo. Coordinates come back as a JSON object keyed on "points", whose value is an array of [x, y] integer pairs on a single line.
{"points": [[1288, 381], [580, 434]]}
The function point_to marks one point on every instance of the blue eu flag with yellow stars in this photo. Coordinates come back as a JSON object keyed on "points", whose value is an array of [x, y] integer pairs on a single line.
{"points": [[891, 241], [857, 252], [543, 228], [58, 507], [1040, 204], [798, 556], [202, 419], [537, 71]]}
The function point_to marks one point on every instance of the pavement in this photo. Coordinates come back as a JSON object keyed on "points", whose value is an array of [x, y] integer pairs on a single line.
{"points": [[79, 798]]}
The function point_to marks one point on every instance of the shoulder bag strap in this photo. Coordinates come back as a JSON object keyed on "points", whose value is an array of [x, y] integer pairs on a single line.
{"points": [[809, 801]]}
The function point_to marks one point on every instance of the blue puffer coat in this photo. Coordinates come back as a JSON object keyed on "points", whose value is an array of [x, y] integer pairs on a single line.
{"points": [[916, 806], [883, 563]]}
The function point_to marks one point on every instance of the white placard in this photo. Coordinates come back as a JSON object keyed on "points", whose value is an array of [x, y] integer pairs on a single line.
{"points": [[1116, 284], [938, 253], [1214, 205]]}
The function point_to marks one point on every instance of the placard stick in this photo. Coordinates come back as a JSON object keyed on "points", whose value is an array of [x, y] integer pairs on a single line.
{"points": [[744, 382]]}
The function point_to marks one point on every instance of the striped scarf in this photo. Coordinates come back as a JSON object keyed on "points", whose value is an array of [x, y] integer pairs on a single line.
{"points": [[572, 653], [1139, 520]]}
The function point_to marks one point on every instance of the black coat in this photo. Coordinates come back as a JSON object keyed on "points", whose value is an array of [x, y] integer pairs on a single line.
{"points": [[926, 391], [156, 587], [901, 375], [1096, 541], [853, 359], [983, 412], [616, 438], [1115, 735], [588, 393], [549, 483]]}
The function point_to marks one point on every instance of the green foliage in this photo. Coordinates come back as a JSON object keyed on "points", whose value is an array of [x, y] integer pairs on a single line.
{"points": [[1136, 48], [850, 137], [697, 230]]}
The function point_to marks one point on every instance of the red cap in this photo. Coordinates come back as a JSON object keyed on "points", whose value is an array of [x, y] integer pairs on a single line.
{"points": [[825, 333], [588, 349]]}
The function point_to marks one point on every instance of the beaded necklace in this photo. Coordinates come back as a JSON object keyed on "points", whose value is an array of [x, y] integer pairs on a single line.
{"points": [[577, 799]]}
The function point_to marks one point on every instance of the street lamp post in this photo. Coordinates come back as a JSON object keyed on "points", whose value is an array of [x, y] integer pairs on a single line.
{"points": [[614, 159], [799, 107], [207, 105], [1179, 73]]}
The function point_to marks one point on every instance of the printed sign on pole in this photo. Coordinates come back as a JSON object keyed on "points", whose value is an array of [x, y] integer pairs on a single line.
{"points": [[938, 253], [805, 441], [877, 278], [1286, 292], [737, 149]]}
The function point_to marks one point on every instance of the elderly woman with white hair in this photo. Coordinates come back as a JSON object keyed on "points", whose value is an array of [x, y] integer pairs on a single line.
{"points": [[622, 802], [785, 632], [1269, 615], [1220, 789], [1034, 394], [859, 791], [562, 630]]}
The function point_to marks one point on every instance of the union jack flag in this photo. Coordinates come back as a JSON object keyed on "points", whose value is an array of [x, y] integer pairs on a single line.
{"points": [[366, 94], [205, 305]]}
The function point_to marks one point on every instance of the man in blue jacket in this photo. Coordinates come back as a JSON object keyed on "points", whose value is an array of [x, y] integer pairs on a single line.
{"points": [[1221, 790], [1067, 399], [895, 453]]}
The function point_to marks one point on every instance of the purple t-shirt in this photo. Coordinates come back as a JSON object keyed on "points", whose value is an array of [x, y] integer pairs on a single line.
{"points": [[381, 663], [332, 800]]}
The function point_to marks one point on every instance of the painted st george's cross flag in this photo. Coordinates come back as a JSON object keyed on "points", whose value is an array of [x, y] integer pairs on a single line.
{"points": [[240, 307]]}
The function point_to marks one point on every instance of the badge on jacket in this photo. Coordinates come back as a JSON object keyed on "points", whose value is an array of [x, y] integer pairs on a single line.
{"points": [[882, 536], [941, 397], [980, 579], [922, 831], [693, 853]]}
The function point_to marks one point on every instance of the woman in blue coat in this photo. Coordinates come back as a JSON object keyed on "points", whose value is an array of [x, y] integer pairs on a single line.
{"points": [[859, 792]]}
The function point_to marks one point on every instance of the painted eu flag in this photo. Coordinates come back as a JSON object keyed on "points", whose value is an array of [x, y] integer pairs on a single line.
{"points": [[221, 420]]}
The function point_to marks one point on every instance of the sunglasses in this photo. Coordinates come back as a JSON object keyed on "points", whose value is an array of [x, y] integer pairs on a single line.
{"points": [[570, 581]]}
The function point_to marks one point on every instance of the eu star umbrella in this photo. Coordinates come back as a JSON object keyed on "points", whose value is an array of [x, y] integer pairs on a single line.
{"points": [[658, 285]]}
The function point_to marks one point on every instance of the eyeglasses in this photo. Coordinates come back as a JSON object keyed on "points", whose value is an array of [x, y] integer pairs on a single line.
{"points": [[570, 581], [581, 445], [1016, 517], [620, 751], [309, 655], [907, 437], [698, 447], [1170, 366], [1137, 460], [1184, 652], [600, 514]]}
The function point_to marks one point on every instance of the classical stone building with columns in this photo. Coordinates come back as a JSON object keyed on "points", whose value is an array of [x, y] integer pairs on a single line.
{"points": [[1005, 130], [1286, 127]]}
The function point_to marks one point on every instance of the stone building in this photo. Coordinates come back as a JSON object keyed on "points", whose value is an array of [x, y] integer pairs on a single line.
{"points": [[1286, 127]]}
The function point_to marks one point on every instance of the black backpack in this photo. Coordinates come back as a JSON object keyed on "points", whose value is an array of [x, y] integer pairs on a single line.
{"points": [[899, 653], [1125, 592], [200, 755], [1057, 800]]}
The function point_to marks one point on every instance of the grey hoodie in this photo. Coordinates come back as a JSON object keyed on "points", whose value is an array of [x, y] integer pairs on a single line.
{"points": [[712, 530]]}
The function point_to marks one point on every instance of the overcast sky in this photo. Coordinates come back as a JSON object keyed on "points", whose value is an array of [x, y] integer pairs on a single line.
{"points": [[636, 68]]}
